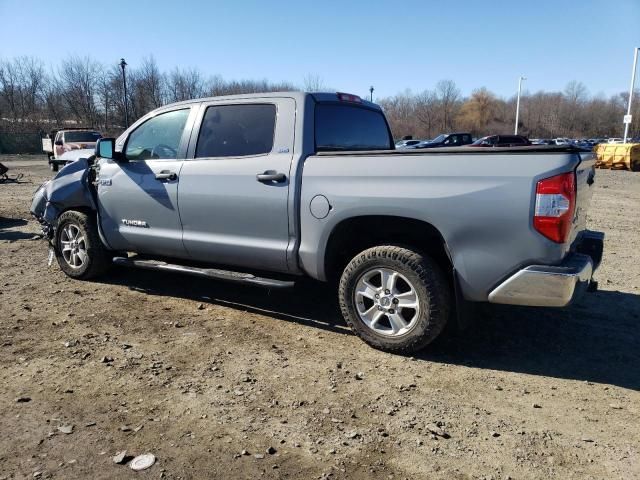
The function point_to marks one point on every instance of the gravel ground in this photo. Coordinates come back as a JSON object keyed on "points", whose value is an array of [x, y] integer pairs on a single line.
{"points": [[220, 381]]}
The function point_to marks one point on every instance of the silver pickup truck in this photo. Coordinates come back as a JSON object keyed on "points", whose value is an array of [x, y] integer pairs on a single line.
{"points": [[262, 189]]}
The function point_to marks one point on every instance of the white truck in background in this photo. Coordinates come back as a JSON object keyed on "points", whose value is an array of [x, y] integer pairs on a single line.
{"points": [[59, 142]]}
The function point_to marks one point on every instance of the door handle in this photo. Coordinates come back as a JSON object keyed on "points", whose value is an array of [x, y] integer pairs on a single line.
{"points": [[271, 176], [166, 175]]}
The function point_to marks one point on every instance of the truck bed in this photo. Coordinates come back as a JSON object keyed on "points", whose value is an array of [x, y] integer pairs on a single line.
{"points": [[481, 200]]}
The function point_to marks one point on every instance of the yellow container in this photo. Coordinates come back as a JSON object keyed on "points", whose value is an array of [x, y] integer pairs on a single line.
{"points": [[618, 156]]}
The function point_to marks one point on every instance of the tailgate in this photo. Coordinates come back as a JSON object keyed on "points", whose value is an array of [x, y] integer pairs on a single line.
{"points": [[585, 182]]}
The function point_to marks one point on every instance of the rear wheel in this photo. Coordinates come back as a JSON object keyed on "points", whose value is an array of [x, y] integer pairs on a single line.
{"points": [[79, 251], [394, 298]]}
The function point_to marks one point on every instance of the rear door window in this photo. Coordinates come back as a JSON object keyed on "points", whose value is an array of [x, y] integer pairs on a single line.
{"points": [[237, 130], [347, 127]]}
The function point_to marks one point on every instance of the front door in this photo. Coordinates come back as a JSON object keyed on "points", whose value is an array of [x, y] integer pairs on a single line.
{"points": [[138, 198], [234, 191]]}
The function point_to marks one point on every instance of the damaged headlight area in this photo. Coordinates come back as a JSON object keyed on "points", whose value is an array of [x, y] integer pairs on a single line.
{"points": [[69, 189], [39, 207]]}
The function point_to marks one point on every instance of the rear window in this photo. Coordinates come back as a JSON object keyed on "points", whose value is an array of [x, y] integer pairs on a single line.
{"points": [[81, 136], [345, 127]]}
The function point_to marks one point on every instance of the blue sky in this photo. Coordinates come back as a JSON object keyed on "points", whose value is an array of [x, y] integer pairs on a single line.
{"points": [[349, 44]]}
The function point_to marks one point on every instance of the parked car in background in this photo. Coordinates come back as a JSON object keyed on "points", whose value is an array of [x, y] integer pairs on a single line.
{"points": [[407, 143], [60, 141], [447, 140], [501, 141], [542, 141], [585, 144]]}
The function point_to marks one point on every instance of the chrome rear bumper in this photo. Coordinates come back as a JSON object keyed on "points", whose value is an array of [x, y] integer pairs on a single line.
{"points": [[553, 286]]}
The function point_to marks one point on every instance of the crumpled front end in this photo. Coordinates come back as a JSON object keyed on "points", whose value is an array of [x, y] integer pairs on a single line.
{"points": [[39, 206], [69, 189]]}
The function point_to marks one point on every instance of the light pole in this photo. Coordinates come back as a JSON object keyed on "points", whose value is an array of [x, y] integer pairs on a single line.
{"points": [[124, 86], [371, 93], [518, 102], [627, 120]]}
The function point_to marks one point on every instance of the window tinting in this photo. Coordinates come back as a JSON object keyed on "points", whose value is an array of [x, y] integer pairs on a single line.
{"points": [[82, 136], [345, 127], [158, 137], [236, 130]]}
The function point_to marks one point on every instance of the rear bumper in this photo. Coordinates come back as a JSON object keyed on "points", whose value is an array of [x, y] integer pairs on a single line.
{"points": [[553, 286]]}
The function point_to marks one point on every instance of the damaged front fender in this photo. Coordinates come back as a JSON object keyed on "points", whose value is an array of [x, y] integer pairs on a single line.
{"points": [[71, 188]]}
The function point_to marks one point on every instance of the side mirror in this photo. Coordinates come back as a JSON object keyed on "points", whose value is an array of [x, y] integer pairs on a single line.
{"points": [[105, 148], [59, 143]]}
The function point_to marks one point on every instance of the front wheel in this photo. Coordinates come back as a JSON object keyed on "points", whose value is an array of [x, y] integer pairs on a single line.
{"points": [[79, 251], [394, 298]]}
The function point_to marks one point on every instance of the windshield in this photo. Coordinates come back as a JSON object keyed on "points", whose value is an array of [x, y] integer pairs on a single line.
{"points": [[439, 138], [81, 136], [482, 141], [349, 127]]}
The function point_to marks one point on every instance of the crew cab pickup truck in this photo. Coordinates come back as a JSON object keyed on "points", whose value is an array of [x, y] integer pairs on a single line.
{"points": [[59, 142], [262, 189]]}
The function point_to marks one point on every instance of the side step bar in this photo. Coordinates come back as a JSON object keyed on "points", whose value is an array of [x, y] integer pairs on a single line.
{"points": [[212, 273]]}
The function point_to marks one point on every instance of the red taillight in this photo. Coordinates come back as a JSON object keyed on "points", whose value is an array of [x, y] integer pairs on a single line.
{"points": [[349, 97], [555, 204]]}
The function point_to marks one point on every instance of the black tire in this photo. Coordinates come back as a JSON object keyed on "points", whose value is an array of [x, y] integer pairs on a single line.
{"points": [[96, 260], [432, 290], [53, 166]]}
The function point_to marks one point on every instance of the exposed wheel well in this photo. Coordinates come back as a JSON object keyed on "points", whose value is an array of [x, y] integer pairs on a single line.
{"points": [[356, 234]]}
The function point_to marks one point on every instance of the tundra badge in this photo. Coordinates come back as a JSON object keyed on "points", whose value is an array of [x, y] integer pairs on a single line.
{"points": [[135, 223]]}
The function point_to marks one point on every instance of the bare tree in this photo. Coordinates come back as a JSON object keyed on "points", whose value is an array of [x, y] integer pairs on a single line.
{"points": [[313, 83], [448, 96], [78, 83]]}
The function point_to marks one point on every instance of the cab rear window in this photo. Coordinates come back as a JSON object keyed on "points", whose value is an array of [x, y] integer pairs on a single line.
{"points": [[348, 128]]}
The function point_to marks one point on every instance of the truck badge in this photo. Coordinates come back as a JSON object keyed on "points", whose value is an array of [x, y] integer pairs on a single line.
{"points": [[135, 223]]}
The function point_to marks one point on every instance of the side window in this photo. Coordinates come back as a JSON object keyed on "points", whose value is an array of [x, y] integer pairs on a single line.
{"points": [[158, 137], [450, 141], [466, 139], [236, 130]]}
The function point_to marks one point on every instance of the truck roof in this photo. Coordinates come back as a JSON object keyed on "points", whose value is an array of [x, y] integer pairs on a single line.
{"points": [[296, 95]]}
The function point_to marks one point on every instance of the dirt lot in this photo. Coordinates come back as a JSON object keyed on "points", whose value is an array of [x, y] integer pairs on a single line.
{"points": [[197, 372]]}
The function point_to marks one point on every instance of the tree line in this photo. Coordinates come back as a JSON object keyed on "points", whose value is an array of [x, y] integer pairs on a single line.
{"points": [[83, 91], [571, 113]]}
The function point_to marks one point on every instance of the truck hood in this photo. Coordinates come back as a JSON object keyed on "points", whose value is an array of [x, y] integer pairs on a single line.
{"points": [[73, 155]]}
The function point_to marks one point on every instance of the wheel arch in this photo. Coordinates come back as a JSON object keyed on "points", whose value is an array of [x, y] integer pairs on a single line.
{"points": [[355, 234]]}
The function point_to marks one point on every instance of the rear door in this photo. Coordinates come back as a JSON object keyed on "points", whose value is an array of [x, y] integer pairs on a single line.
{"points": [[234, 186]]}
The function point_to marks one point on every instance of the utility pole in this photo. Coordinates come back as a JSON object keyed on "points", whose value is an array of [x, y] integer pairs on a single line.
{"points": [[627, 117], [518, 102], [124, 86], [371, 89]]}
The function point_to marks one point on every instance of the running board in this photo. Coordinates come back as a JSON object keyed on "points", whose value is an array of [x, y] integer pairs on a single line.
{"points": [[212, 273]]}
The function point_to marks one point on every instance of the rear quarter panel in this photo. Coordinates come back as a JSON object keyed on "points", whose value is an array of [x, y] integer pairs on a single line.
{"points": [[481, 203]]}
